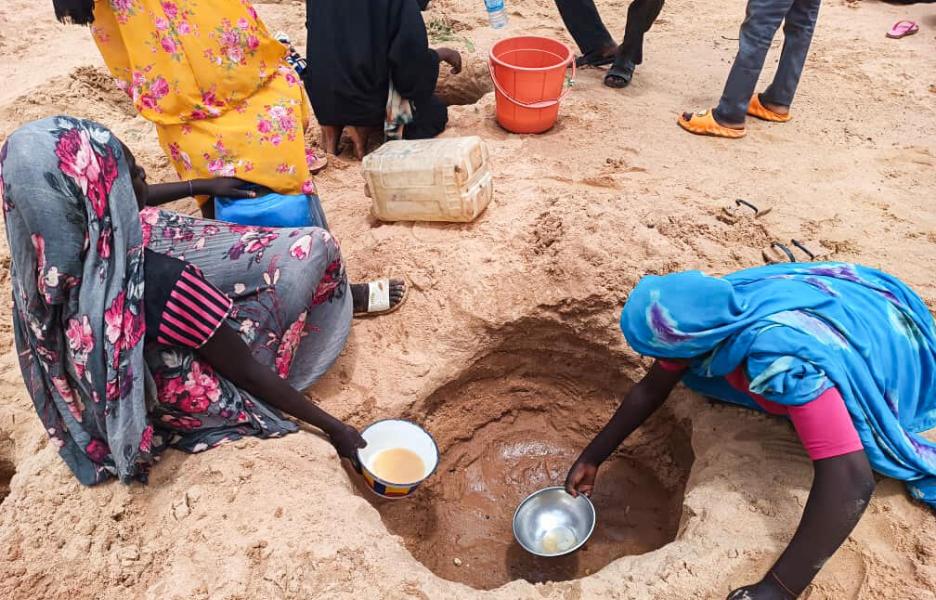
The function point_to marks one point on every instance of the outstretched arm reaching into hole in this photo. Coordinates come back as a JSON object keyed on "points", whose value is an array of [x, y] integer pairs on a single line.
{"points": [[840, 492], [227, 353], [641, 402]]}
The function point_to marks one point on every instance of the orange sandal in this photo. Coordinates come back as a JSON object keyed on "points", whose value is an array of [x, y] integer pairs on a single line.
{"points": [[704, 123], [757, 109]]}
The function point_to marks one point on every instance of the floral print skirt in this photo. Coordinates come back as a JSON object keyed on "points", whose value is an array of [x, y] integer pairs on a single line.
{"points": [[292, 306]]}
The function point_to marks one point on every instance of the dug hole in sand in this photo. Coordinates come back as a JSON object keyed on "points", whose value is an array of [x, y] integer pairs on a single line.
{"points": [[511, 424], [508, 347]]}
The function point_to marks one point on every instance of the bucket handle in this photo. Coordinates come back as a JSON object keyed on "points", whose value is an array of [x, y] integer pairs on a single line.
{"points": [[541, 103]]}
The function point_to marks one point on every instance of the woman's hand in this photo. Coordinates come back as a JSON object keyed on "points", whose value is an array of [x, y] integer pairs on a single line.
{"points": [[581, 477], [765, 590], [346, 441], [224, 187], [161, 193], [452, 57]]}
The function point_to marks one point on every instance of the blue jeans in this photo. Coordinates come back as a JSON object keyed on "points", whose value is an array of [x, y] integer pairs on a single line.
{"points": [[761, 23]]}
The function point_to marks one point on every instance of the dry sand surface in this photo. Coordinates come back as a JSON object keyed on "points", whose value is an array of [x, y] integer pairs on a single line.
{"points": [[508, 348]]}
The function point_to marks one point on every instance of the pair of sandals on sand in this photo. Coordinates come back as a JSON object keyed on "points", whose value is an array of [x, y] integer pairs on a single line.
{"points": [[704, 123], [777, 252]]}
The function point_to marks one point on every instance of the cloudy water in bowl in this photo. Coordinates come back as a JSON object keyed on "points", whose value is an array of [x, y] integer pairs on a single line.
{"points": [[398, 465]]}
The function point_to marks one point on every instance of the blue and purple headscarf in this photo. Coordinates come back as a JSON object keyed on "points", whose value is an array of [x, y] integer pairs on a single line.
{"points": [[800, 329]]}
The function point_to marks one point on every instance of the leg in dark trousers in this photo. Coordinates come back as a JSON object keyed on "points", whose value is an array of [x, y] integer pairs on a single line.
{"points": [[584, 23], [640, 18], [430, 116], [582, 20]]}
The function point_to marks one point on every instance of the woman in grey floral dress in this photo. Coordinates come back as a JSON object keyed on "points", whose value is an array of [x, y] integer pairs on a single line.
{"points": [[141, 330]]}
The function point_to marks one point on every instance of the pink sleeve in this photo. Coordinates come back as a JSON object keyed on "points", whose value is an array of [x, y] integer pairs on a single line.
{"points": [[194, 312], [824, 426], [671, 365]]}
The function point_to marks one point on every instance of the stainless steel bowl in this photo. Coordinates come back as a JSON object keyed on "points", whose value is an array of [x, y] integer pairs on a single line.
{"points": [[551, 522]]}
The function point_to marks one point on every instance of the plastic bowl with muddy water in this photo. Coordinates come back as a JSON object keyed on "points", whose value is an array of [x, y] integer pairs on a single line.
{"points": [[552, 522], [398, 457]]}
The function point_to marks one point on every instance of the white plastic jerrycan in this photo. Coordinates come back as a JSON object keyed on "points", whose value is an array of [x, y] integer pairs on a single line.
{"points": [[445, 179]]}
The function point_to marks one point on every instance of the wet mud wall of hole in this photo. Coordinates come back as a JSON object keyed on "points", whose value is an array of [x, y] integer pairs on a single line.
{"points": [[514, 422], [467, 87], [7, 468]]}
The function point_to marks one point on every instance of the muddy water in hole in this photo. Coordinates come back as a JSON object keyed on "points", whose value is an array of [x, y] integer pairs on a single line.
{"points": [[465, 511]]}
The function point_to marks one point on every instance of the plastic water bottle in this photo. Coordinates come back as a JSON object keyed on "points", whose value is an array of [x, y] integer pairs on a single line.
{"points": [[496, 12]]}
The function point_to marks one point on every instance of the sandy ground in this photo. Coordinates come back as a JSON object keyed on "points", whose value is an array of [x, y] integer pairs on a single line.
{"points": [[521, 305]]}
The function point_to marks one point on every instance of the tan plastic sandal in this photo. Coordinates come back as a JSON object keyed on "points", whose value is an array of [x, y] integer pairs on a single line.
{"points": [[704, 123], [757, 109], [317, 161], [778, 253]]}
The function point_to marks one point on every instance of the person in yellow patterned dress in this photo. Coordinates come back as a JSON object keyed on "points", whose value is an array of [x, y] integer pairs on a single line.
{"points": [[213, 80], [225, 103]]}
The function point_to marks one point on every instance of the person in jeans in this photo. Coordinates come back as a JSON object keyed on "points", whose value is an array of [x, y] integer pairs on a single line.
{"points": [[761, 22], [598, 48]]}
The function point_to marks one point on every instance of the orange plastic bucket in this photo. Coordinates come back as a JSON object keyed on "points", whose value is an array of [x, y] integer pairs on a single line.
{"points": [[529, 75]]}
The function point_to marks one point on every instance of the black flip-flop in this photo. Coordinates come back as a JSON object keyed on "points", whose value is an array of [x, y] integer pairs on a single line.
{"points": [[593, 59], [771, 254], [773, 257], [620, 76], [741, 209], [802, 246]]}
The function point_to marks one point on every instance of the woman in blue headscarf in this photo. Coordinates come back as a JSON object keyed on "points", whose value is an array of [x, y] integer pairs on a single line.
{"points": [[846, 352]]}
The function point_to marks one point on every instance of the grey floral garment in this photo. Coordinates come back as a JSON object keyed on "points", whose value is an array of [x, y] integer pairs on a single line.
{"points": [[76, 238], [292, 306]]}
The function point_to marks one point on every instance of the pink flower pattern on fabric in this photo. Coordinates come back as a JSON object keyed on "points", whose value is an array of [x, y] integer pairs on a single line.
{"points": [[288, 345], [97, 450], [277, 124], [94, 173]]}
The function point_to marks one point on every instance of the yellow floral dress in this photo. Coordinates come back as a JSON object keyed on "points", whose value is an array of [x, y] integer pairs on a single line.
{"points": [[215, 83]]}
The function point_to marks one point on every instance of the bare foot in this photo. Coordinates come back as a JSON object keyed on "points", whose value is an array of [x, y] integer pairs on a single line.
{"points": [[359, 138], [331, 135]]}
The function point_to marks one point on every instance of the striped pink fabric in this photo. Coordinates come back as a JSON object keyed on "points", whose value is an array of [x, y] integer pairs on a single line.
{"points": [[194, 311]]}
